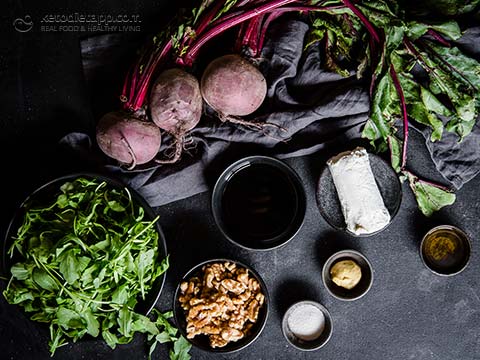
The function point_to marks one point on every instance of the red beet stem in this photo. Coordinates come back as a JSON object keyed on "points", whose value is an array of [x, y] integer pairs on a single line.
{"points": [[143, 90], [263, 31], [204, 21], [240, 37], [192, 52], [253, 39], [398, 88], [428, 182], [438, 37]]}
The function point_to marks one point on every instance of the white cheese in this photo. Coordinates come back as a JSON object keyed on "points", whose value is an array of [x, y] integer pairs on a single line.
{"points": [[361, 202]]}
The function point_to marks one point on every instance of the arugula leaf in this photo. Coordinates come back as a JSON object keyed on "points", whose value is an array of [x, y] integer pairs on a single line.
{"points": [[69, 319], [56, 338], [84, 265], [44, 280], [125, 321], [143, 324], [20, 271], [110, 339], [168, 333], [93, 325], [180, 350], [71, 265], [120, 295]]}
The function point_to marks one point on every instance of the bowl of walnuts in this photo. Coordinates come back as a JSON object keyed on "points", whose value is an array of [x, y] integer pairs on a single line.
{"points": [[221, 305]]}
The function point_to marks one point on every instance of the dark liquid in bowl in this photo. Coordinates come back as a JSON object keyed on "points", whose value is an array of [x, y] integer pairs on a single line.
{"points": [[259, 203]]}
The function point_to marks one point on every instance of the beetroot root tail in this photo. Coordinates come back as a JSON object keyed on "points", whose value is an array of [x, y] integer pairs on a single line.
{"points": [[252, 125], [130, 150], [176, 156]]}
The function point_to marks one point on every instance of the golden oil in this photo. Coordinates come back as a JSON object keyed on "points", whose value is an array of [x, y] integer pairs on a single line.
{"points": [[445, 249]]}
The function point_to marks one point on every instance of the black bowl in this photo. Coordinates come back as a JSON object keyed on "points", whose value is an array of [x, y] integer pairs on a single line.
{"points": [[201, 341], [388, 184], [45, 193], [361, 288], [451, 263], [284, 207]]}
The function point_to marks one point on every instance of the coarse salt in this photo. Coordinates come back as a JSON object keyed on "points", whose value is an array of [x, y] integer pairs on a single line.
{"points": [[306, 322]]}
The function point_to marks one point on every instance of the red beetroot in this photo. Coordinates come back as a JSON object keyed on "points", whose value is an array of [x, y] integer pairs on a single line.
{"points": [[232, 86], [176, 106], [127, 139]]}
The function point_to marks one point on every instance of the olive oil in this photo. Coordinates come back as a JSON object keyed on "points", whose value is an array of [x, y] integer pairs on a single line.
{"points": [[446, 250]]}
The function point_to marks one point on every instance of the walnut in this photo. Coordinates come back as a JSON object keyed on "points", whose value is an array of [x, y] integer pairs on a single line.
{"points": [[217, 341], [230, 334], [253, 285], [230, 266], [183, 287], [243, 277], [233, 286], [223, 303], [252, 310]]}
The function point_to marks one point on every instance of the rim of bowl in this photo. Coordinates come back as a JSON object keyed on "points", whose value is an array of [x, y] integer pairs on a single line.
{"points": [[344, 228], [325, 312], [192, 271], [110, 180], [466, 240], [227, 173], [329, 263]]}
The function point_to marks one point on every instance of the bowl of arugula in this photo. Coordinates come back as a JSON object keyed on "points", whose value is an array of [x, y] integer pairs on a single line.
{"points": [[87, 256]]}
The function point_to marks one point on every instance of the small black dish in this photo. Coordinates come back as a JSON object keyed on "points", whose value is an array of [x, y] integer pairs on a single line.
{"points": [[309, 345], [45, 193], [259, 203], [202, 341], [445, 250], [361, 288], [387, 181]]}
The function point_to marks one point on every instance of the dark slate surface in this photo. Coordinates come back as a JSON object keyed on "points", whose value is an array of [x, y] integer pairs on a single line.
{"points": [[409, 312]]}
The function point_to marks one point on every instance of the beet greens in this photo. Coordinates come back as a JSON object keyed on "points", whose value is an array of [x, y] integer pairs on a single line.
{"points": [[414, 70]]}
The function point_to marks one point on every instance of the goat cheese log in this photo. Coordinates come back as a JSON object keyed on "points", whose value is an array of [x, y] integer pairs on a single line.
{"points": [[361, 202]]}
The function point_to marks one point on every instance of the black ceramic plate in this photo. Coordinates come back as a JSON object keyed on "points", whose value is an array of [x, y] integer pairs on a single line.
{"points": [[47, 191], [387, 182], [202, 341]]}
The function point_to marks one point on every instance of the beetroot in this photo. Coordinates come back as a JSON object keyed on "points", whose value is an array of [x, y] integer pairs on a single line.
{"points": [[176, 106], [232, 86], [127, 139]]}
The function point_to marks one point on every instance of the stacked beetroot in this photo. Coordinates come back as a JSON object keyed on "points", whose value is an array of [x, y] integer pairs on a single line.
{"points": [[173, 103]]}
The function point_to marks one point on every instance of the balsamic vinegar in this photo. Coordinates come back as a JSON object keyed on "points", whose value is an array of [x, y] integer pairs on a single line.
{"points": [[259, 203]]}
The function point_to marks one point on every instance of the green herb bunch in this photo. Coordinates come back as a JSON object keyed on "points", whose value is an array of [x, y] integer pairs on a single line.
{"points": [[84, 261]]}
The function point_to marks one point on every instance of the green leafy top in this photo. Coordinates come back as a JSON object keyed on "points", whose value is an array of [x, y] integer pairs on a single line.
{"points": [[417, 74]]}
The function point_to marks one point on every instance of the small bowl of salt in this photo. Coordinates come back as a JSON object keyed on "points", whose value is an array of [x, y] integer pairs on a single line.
{"points": [[307, 325]]}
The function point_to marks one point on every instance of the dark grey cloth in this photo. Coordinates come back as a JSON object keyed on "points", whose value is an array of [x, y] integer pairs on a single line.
{"points": [[459, 162], [313, 106]]}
